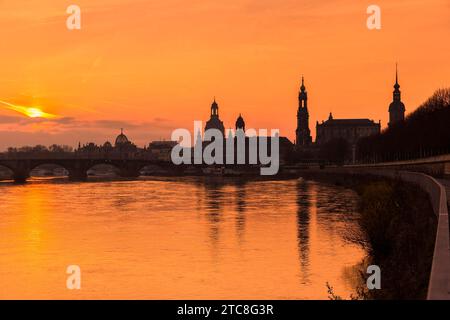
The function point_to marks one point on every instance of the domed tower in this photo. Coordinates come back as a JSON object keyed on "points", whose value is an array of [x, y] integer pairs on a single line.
{"points": [[303, 134], [121, 139], [107, 146], [214, 122], [240, 123], [215, 109], [396, 108]]}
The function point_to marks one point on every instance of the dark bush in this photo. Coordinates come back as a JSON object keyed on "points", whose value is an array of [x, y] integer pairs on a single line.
{"points": [[400, 225]]}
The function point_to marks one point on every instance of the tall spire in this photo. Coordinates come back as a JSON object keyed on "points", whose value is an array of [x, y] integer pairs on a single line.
{"points": [[396, 73], [396, 86], [303, 134], [303, 95], [396, 108]]}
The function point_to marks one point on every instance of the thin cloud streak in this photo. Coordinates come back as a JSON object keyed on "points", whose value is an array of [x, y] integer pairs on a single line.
{"points": [[32, 112]]}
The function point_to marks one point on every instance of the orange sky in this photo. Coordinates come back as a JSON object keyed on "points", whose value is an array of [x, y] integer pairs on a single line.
{"points": [[154, 65]]}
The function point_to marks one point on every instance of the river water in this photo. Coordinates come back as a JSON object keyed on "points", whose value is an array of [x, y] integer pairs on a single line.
{"points": [[178, 238]]}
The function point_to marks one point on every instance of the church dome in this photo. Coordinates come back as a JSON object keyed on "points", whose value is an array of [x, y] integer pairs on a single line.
{"points": [[107, 144], [240, 123], [215, 123], [121, 139]]}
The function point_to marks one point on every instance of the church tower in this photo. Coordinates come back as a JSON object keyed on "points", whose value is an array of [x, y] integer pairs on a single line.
{"points": [[240, 123], [214, 122], [396, 108], [303, 134]]}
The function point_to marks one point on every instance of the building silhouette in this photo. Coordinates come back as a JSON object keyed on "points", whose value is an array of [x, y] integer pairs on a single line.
{"points": [[214, 122], [240, 123], [161, 150], [303, 134], [286, 147], [350, 130], [121, 139], [122, 144], [396, 108], [338, 136]]}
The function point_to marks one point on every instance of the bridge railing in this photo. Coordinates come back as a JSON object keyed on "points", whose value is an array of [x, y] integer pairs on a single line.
{"points": [[76, 155], [434, 159], [434, 166]]}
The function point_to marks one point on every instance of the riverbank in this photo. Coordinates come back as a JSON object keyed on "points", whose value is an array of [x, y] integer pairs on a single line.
{"points": [[400, 226]]}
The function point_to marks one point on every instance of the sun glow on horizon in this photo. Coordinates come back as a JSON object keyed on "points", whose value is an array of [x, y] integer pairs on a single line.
{"points": [[31, 112]]}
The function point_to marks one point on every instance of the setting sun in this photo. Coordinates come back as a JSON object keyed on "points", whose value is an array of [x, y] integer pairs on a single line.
{"points": [[32, 112]]}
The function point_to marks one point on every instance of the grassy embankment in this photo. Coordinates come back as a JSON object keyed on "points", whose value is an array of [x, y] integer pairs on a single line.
{"points": [[400, 227]]}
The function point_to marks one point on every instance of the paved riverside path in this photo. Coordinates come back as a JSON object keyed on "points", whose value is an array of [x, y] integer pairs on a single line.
{"points": [[446, 184]]}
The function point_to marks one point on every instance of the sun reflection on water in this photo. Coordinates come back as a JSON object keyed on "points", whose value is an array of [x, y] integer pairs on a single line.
{"points": [[185, 239]]}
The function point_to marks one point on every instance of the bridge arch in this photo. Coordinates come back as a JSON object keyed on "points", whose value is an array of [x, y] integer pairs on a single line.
{"points": [[6, 172], [103, 169], [49, 169]]}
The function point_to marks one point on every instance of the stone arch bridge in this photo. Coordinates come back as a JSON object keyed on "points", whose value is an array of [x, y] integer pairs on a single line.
{"points": [[78, 164]]}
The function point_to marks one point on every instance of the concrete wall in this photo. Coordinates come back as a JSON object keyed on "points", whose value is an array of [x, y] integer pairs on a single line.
{"points": [[438, 166]]}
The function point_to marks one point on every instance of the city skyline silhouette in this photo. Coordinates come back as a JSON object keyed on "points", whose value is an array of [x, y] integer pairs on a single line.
{"points": [[122, 69]]}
